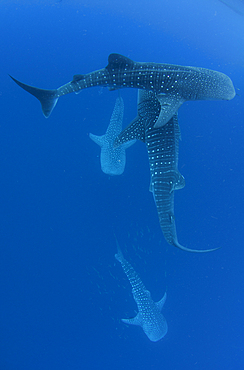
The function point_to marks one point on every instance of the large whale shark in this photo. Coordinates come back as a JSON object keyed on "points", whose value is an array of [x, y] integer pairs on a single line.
{"points": [[149, 315], [163, 150], [173, 84], [113, 159]]}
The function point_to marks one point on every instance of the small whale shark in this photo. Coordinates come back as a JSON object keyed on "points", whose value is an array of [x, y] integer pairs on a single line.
{"points": [[173, 84], [113, 159], [236, 5], [149, 315], [163, 150]]}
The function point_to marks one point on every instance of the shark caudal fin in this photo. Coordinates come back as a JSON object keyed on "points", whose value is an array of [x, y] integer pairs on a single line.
{"points": [[119, 255], [178, 245], [47, 98]]}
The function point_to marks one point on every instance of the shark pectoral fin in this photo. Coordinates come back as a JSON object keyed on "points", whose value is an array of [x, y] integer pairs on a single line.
{"points": [[128, 144], [99, 140], [134, 321], [47, 98], [161, 303], [169, 106], [180, 182], [135, 131]]}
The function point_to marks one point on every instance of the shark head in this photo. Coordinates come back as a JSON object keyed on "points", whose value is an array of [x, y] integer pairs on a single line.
{"points": [[157, 330]]}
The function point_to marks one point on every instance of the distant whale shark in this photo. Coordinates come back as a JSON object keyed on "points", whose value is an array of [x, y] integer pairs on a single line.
{"points": [[163, 149], [113, 159], [173, 84], [236, 5], [149, 315]]}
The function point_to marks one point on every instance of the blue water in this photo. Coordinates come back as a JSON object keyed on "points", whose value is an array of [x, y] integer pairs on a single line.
{"points": [[62, 292]]}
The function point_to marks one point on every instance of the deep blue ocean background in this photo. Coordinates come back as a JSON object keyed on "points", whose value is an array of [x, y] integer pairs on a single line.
{"points": [[62, 291]]}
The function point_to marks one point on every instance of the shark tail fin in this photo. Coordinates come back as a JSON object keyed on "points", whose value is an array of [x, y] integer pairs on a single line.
{"points": [[47, 98], [119, 255], [178, 245]]}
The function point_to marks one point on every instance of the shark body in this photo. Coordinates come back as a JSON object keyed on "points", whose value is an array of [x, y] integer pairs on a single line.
{"points": [[163, 149], [149, 315], [173, 84], [113, 159]]}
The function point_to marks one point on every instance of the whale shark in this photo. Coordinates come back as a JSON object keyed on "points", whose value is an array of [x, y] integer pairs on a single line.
{"points": [[163, 150], [173, 84], [149, 315], [113, 159], [236, 5]]}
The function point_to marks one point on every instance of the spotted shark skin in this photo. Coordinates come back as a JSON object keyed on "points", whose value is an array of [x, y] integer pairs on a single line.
{"points": [[173, 84], [163, 149], [113, 159], [149, 315]]}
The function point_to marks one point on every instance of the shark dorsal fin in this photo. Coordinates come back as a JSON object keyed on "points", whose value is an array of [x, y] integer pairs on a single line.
{"points": [[117, 61], [77, 78]]}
